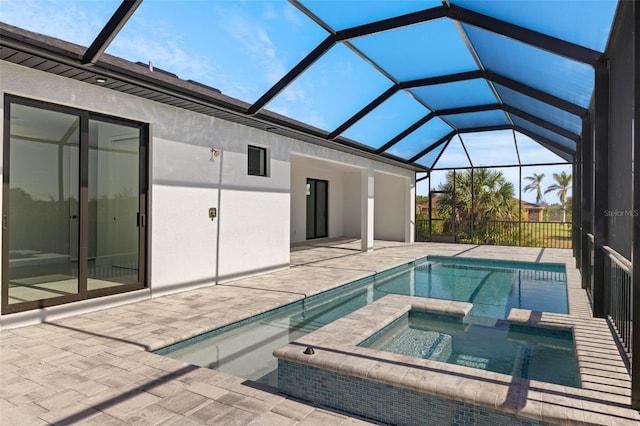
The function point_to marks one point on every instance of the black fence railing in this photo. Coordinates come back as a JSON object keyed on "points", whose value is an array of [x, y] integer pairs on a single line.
{"points": [[589, 266], [619, 295], [509, 233]]}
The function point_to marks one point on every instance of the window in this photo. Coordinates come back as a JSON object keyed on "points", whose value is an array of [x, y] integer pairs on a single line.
{"points": [[257, 161], [74, 205]]}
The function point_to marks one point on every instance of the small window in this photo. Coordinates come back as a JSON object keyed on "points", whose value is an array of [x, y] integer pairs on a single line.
{"points": [[257, 161]]}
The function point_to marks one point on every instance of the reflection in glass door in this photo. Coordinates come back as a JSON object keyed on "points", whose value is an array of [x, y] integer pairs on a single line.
{"points": [[114, 188], [317, 196], [43, 205], [73, 205]]}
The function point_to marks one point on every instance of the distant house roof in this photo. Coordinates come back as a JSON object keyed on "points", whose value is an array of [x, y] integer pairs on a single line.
{"points": [[528, 205]]}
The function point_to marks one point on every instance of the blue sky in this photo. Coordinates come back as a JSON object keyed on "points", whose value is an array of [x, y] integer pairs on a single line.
{"points": [[244, 47]]}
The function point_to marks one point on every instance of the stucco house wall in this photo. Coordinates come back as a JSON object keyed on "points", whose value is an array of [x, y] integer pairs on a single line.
{"points": [[258, 217]]}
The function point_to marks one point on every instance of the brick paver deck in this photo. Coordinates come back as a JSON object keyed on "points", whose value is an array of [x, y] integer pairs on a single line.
{"points": [[97, 368]]}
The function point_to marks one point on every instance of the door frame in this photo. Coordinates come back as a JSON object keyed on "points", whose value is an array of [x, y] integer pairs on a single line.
{"points": [[315, 209], [83, 261]]}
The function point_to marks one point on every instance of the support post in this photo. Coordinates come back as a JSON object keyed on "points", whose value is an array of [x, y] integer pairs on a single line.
{"points": [[635, 248], [600, 199], [453, 209], [430, 206], [366, 209], [520, 204], [576, 212], [410, 215], [586, 200], [472, 216]]}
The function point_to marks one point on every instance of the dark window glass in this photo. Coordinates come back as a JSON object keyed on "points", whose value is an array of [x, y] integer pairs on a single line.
{"points": [[257, 161], [74, 205]]}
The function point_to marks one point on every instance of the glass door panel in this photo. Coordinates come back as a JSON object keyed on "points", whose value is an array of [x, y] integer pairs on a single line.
{"points": [[321, 208], [311, 207], [114, 199], [317, 196], [42, 218]]}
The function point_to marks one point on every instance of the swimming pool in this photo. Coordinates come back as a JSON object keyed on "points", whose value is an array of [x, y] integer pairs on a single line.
{"points": [[494, 287]]}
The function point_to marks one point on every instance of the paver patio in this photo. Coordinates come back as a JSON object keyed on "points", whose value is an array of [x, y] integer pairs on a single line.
{"points": [[97, 368]]}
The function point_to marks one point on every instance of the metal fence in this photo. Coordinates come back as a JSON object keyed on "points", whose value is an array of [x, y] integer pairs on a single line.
{"points": [[509, 233], [619, 295], [589, 266]]}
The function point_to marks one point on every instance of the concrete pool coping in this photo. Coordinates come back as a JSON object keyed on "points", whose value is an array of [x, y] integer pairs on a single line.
{"points": [[336, 350], [96, 368]]}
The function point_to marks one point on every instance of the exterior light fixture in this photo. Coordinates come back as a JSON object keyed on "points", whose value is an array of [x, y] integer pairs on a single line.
{"points": [[101, 80], [214, 153]]}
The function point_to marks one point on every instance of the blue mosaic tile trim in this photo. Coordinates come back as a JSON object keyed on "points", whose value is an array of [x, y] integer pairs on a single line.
{"points": [[290, 306], [386, 403], [233, 326], [547, 266], [400, 269], [384, 330]]}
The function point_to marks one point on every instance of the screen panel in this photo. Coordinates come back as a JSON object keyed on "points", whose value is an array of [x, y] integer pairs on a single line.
{"points": [[539, 109], [457, 94], [495, 148], [390, 118], [477, 119], [429, 133], [341, 15], [240, 48], [334, 88], [565, 20], [545, 133], [545, 71], [418, 51]]}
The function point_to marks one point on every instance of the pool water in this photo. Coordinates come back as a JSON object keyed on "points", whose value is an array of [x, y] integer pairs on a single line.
{"points": [[494, 287], [534, 353]]}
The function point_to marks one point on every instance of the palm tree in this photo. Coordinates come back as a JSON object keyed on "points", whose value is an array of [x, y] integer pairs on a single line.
{"points": [[493, 199], [563, 183], [535, 185]]}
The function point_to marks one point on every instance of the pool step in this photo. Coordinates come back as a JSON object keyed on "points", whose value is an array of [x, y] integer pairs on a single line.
{"points": [[420, 344], [440, 348], [472, 361]]}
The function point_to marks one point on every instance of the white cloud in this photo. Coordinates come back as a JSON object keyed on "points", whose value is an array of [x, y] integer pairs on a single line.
{"points": [[293, 93], [293, 16], [165, 54], [254, 43], [76, 22]]}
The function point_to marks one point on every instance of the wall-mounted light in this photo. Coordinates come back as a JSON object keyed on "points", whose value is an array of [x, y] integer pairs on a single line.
{"points": [[214, 153], [101, 80]]}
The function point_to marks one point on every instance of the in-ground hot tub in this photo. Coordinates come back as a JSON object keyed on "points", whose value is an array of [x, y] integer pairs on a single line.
{"points": [[545, 354], [344, 373]]}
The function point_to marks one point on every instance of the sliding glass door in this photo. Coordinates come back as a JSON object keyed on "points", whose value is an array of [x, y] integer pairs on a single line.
{"points": [[113, 241], [317, 200], [74, 191], [43, 205]]}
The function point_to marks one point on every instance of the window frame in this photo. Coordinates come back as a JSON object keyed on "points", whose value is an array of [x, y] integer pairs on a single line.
{"points": [[264, 160]]}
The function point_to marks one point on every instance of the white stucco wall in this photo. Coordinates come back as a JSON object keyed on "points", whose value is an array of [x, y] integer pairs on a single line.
{"points": [[258, 217], [352, 200], [253, 212], [344, 195], [303, 168], [390, 207]]}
